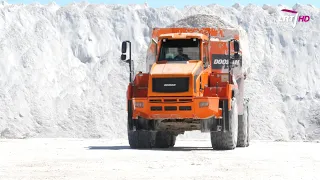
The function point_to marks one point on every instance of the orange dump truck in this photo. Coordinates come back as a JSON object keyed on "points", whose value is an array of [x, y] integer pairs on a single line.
{"points": [[195, 82]]}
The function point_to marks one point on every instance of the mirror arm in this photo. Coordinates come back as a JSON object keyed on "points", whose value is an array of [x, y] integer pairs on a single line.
{"points": [[130, 63]]}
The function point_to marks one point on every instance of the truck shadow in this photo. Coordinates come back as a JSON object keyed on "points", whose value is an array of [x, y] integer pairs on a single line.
{"points": [[153, 149]]}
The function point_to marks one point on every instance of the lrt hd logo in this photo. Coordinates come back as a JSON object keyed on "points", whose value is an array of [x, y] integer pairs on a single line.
{"points": [[294, 18]]}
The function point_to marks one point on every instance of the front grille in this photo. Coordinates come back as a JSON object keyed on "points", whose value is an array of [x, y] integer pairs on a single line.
{"points": [[155, 100], [185, 108], [185, 100], [170, 108], [156, 108], [170, 100], [170, 85]]}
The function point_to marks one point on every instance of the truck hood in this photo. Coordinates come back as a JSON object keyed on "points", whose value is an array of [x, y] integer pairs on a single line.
{"points": [[174, 68]]}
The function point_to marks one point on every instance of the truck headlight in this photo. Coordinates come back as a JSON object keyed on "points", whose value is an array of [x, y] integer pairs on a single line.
{"points": [[138, 104], [203, 104]]}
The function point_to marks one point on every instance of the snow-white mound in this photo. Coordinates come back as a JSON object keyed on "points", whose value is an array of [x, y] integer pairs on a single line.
{"points": [[61, 76], [202, 20]]}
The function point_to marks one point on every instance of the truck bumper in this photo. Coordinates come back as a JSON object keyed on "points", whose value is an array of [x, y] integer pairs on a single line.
{"points": [[176, 108]]}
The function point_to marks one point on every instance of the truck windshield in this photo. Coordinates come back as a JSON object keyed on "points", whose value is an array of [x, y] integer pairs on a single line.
{"points": [[180, 50]]}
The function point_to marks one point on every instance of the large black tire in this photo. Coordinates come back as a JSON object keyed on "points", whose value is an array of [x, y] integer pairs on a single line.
{"points": [[141, 139], [243, 127], [227, 140], [173, 142], [248, 124], [165, 139]]}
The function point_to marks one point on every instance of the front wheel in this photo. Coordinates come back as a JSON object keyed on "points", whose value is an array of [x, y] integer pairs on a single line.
{"points": [[227, 140], [142, 139]]}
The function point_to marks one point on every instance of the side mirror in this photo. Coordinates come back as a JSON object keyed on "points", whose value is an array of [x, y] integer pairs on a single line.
{"points": [[123, 57], [236, 46], [129, 60], [124, 47]]}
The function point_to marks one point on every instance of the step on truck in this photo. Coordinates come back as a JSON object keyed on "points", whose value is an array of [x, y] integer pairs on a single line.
{"points": [[194, 82]]}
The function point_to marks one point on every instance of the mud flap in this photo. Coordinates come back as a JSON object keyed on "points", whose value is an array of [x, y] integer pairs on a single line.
{"points": [[130, 123], [208, 125], [213, 124], [225, 119]]}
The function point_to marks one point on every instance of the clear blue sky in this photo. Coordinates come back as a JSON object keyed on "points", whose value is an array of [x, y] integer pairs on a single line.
{"points": [[177, 3]]}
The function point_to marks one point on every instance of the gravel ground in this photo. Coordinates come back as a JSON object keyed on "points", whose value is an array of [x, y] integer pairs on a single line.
{"points": [[190, 159]]}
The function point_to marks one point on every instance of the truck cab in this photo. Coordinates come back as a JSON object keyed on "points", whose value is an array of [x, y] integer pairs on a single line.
{"points": [[178, 65]]}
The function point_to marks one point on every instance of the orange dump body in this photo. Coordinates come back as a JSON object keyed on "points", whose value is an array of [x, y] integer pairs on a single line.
{"points": [[206, 80]]}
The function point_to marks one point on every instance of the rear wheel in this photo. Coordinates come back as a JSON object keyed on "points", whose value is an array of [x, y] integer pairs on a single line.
{"points": [[248, 124], [227, 140], [243, 129]]}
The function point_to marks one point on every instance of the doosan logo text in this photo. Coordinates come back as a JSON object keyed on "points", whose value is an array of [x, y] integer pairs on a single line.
{"points": [[225, 61], [171, 85], [293, 18]]}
